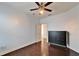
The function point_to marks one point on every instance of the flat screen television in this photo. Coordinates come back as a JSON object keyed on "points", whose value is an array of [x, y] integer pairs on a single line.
{"points": [[58, 37]]}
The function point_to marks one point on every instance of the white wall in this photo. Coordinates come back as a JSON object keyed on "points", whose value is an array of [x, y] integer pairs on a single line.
{"points": [[16, 30], [68, 21]]}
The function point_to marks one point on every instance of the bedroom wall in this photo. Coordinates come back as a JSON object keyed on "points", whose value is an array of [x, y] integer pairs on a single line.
{"points": [[68, 21], [16, 30]]}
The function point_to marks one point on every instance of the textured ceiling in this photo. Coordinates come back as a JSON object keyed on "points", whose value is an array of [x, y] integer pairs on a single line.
{"points": [[24, 7]]}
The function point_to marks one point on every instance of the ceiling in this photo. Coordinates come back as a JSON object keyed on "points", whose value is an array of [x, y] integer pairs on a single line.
{"points": [[24, 7]]}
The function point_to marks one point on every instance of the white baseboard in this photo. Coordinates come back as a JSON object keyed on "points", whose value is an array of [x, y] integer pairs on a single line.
{"points": [[74, 49], [8, 51]]}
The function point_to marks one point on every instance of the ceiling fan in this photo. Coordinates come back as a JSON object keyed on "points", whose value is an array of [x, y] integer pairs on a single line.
{"points": [[42, 7]]}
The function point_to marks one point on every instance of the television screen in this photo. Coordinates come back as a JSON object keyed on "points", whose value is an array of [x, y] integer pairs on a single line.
{"points": [[57, 37]]}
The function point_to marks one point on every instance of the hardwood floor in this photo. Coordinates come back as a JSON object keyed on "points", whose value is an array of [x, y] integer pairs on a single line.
{"points": [[35, 50]]}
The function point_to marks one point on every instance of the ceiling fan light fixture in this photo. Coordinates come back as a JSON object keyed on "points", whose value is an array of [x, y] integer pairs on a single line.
{"points": [[42, 7], [41, 12]]}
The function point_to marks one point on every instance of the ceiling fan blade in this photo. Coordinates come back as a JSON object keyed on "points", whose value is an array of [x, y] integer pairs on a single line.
{"points": [[37, 3], [48, 3], [47, 9], [33, 9]]}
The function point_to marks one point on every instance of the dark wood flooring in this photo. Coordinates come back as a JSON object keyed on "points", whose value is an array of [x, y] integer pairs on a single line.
{"points": [[35, 50]]}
